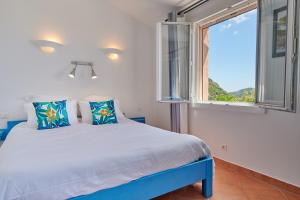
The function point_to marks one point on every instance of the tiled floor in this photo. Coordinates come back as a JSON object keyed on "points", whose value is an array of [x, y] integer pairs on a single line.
{"points": [[230, 185]]}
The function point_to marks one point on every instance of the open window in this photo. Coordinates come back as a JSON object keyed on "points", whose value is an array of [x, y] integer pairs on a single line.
{"points": [[227, 57], [277, 54], [248, 54], [243, 54], [173, 61]]}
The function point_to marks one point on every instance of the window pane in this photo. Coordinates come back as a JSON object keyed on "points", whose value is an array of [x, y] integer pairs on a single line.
{"points": [[229, 59], [175, 62], [272, 52]]}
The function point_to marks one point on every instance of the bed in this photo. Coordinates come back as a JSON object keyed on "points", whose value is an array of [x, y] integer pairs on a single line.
{"points": [[128, 160]]}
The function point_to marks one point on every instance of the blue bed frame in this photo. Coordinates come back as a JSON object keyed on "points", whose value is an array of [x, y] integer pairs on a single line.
{"points": [[154, 185], [160, 183], [10, 125]]}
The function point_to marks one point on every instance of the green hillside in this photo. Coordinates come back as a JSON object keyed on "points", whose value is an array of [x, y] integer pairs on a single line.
{"points": [[217, 93], [243, 92]]}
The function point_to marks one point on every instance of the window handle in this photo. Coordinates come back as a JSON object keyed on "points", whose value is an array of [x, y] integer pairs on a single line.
{"points": [[295, 47]]}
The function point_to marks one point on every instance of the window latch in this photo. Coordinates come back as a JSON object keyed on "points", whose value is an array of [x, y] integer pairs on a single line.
{"points": [[295, 47]]}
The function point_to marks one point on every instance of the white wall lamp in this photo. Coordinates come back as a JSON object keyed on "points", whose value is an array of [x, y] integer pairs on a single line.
{"points": [[112, 53], [72, 74], [47, 46]]}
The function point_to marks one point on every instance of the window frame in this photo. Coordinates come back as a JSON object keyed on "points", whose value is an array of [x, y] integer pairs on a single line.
{"points": [[221, 16], [291, 60], [292, 42], [159, 66]]}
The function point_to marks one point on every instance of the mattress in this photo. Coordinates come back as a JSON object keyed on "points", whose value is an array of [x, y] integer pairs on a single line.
{"points": [[82, 159]]}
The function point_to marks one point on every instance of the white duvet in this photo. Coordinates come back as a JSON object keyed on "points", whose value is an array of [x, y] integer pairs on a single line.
{"points": [[82, 159]]}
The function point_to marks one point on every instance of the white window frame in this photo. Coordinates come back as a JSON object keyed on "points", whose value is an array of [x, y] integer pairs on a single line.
{"points": [[290, 93], [292, 59], [159, 66], [197, 87]]}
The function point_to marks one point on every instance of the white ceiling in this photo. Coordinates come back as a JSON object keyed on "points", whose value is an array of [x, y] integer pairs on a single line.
{"points": [[176, 3], [148, 11]]}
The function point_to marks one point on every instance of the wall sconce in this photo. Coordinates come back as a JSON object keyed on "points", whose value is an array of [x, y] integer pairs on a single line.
{"points": [[79, 63], [47, 46], [112, 53]]}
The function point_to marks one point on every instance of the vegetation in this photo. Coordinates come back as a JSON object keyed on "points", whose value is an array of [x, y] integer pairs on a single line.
{"points": [[216, 93]]}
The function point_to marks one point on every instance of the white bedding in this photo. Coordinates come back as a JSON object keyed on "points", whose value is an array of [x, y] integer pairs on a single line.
{"points": [[82, 159]]}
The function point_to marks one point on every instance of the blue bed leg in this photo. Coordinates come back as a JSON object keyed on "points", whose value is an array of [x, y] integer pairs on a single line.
{"points": [[207, 183]]}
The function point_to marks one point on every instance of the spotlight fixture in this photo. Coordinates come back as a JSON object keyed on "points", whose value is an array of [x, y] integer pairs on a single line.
{"points": [[93, 74], [79, 63], [72, 73]]}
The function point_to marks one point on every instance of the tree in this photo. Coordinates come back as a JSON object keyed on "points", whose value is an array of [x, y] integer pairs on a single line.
{"points": [[216, 93]]}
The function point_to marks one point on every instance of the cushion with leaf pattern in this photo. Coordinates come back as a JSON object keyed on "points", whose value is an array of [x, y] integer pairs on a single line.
{"points": [[103, 112], [51, 114]]}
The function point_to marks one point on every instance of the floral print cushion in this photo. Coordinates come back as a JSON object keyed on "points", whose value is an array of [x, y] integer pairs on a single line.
{"points": [[51, 114], [103, 112]]}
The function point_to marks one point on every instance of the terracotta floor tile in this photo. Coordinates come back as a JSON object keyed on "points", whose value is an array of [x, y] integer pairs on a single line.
{"points": [[229, 192], [165, 197], [265, 195], [230, 185], [254, 184], [258, 190], [290, 196], [190, 192], [226, 177]]}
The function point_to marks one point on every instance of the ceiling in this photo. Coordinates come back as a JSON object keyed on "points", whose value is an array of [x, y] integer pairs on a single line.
{"points": [[175, 3], [148, 11]]}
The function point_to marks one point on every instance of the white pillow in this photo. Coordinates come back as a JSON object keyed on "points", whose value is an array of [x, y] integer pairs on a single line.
{"points": [[86, 112], [71, 106]]}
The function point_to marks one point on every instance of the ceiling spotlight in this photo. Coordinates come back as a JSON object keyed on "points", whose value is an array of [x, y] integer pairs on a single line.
{"points": [[72, 73], [93, 74]]}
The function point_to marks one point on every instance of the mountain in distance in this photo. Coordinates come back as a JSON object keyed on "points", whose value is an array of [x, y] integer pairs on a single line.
{"points": [[217, 93], [240, 93], [215, 89]]}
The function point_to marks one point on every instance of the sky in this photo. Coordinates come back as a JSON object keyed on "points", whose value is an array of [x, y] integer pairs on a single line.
{"points": [[232, 52]]}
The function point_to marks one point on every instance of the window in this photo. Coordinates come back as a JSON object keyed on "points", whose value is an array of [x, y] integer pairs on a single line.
{"points": [[248, 54], [277, 54], [228, 52], [244, 53], [173, 67]]}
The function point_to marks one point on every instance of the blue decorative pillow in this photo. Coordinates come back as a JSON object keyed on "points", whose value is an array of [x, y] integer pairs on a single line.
{"points": [[103, 112], [51, 114]]}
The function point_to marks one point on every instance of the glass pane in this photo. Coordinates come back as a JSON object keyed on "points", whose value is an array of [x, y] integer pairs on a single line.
{"points": [[272, 52], [229, 59], [175, 62]]}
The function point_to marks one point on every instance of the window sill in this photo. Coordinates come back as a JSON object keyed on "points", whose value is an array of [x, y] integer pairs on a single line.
{"points": [[230, 107]]}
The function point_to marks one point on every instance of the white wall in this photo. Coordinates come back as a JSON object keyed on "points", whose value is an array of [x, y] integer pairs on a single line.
{"points": [[83, 27], [267, 143]]}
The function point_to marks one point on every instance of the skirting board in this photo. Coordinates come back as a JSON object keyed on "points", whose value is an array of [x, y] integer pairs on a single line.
{"points": [[247, 172]]}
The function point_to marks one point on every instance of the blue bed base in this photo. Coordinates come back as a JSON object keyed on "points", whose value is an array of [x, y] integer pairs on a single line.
{"points": [[154, 185], [157, 184], [10, 125]]}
